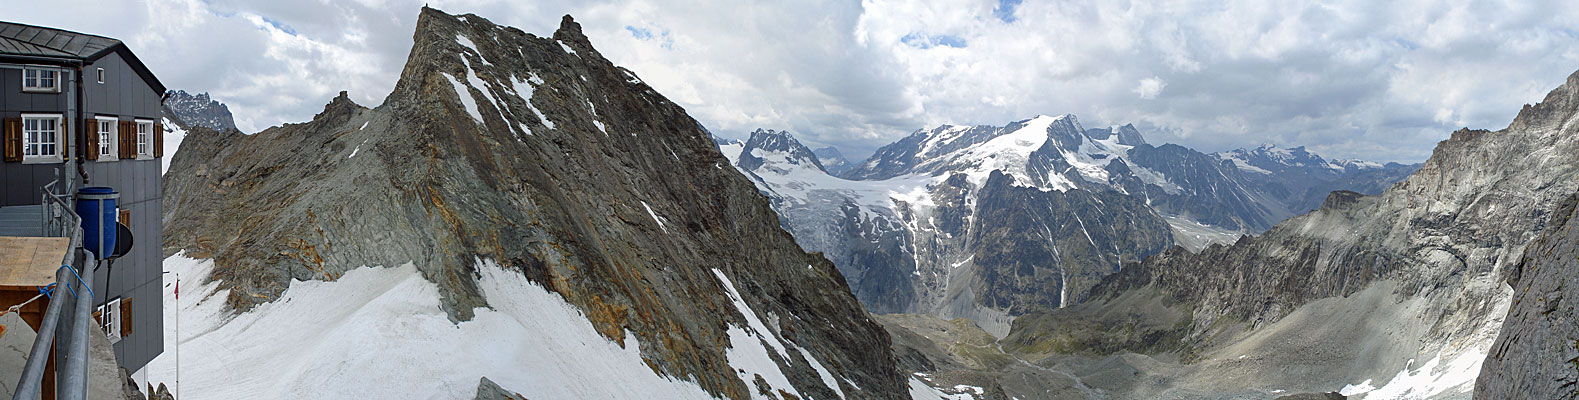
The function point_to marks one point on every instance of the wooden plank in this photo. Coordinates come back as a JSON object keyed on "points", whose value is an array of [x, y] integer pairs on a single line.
{"points": [[30, 262]]}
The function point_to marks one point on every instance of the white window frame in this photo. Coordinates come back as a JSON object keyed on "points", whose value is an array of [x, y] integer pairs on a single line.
{"points": [[101, 75], [108, 140], [38, 76], [28, 140], [145, 140], [110, 319]]}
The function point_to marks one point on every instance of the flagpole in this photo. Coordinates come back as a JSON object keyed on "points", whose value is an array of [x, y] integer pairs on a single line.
{"points": [[177, 334]]}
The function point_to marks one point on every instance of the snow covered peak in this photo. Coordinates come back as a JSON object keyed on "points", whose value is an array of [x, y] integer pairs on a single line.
{"points": [[777, 149], [978, 150]]}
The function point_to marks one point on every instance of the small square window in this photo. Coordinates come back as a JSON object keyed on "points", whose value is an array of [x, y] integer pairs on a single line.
{"points": [[40, 80]]}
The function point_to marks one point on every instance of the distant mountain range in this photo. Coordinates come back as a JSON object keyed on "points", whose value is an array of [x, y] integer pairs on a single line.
{"points": [[988, 222]]}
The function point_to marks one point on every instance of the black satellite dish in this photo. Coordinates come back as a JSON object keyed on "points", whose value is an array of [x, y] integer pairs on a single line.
{"points": [[123, 240]]}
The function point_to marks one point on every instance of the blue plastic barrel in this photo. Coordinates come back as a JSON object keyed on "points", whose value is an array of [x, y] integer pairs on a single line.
{"points": [[96, 206]]}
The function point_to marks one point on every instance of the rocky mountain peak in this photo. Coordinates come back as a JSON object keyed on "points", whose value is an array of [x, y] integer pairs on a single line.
{"points": [[779, 145], [570, 30], [1129, 136], [1557, 105], [197, 110], [536, 154], [339, 105]]}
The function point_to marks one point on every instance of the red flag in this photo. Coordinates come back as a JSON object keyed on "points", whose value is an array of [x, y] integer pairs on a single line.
{"points": [[178, 289]]}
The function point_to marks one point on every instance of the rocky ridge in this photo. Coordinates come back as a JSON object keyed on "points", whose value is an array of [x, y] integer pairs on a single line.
{"points": [[538, 154], [197, 110]]}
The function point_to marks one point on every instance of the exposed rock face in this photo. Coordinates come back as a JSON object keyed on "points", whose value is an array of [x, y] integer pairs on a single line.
{"points": [[1443, 236], [1127, 134], [1039, 244], [1536, 355], [1194, 186], [191, 111], [543, 156], [487, 390]]}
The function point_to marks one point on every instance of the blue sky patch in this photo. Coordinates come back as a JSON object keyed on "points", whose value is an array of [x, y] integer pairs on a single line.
{"points": [[639, 33], [280, 25], [922, 41], [1005, 10], [646, 34]]}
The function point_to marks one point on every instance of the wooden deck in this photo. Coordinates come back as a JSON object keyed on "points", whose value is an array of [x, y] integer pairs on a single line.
{"points": [[30, 262]]}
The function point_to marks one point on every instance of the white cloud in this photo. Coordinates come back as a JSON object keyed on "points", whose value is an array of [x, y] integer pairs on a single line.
{"points": [[1149, 88], [1349, 78]]}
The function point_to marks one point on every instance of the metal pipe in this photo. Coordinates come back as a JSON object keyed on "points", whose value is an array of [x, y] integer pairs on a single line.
{"points": [[33, 374], [74, 385], [81, 132]]}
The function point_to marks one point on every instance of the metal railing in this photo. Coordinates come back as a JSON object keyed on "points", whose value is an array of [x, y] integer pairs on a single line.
{"points": [[57, 212], [71, 377]]}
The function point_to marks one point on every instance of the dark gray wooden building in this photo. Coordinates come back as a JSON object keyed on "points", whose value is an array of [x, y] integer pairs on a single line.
{"points": [[82, 110]]}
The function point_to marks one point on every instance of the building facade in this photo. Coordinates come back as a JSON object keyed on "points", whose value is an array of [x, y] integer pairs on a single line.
{"points": [[82, 110]]}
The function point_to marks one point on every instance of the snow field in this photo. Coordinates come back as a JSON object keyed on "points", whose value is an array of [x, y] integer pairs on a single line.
{"points": [[379, 333], [173, 135]]}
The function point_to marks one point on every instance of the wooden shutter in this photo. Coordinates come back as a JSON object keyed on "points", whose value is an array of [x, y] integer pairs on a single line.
{"points": [[63, 139], [125, 217], [126, 317], [158, 134], [13, 140], [128, 140], [90, 129]]}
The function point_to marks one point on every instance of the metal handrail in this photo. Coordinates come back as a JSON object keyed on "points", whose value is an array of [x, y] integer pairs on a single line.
{"points": [[57, 212], [71, 379]]}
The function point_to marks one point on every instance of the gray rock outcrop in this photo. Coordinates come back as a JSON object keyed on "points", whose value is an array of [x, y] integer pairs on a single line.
{"points": [[487, 390], [1536, 355]]}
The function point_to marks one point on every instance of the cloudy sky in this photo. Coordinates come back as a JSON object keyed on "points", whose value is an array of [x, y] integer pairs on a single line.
{"points": [[1351, 79]]}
